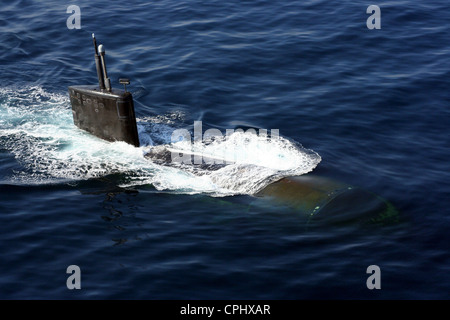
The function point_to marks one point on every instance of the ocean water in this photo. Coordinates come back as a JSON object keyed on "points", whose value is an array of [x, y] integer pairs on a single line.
{"points": [[367, 108]]}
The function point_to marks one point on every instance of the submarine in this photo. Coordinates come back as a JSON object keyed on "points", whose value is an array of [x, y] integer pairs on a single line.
{"points": [[108, 113]]}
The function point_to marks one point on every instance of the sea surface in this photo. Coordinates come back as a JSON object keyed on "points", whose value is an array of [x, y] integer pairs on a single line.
{"points": [[368, 108]]}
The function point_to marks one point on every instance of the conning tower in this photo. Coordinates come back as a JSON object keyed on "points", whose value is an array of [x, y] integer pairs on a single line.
{"points": [[101, 110]]}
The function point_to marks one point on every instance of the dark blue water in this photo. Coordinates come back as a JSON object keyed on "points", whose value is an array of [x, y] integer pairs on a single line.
{"points": [[372, 103]]}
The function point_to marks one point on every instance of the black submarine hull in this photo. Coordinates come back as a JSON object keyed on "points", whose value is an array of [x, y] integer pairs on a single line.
{"points": [[322, 199], [109, 114], [318, 198]]}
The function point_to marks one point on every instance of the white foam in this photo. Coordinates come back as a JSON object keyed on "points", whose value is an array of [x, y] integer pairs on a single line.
{"points": [[37, 127]]}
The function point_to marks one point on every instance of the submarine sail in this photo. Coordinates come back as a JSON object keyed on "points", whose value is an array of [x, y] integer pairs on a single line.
{"points": [[103, 111]]}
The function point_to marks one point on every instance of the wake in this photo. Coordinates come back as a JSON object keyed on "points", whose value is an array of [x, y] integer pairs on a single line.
{"points": [[37, 127]]}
